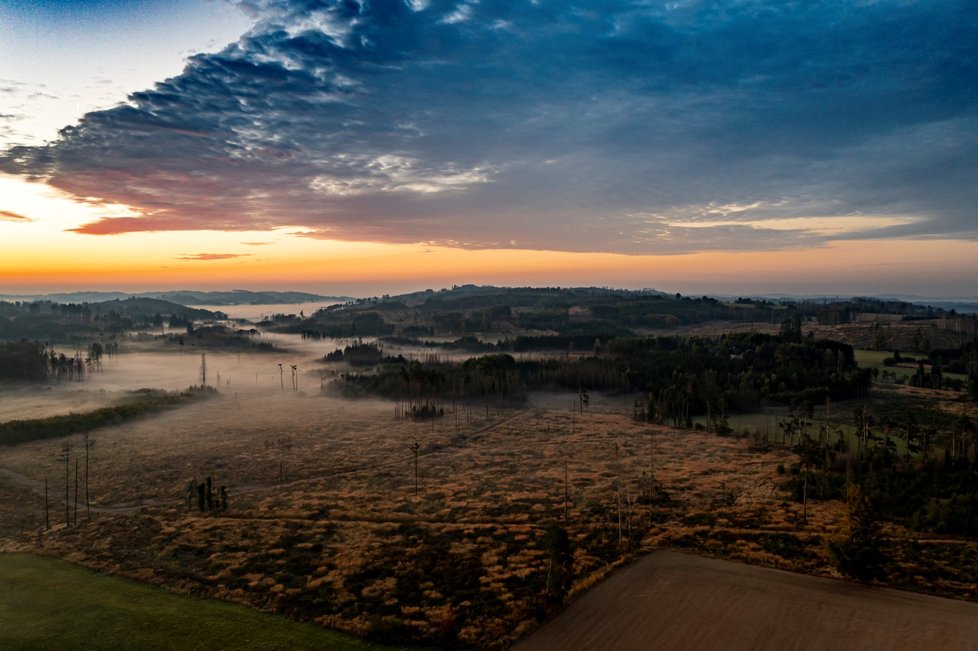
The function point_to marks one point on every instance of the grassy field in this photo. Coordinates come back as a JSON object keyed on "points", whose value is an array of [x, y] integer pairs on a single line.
{"points": [[874, 359], [51, 604]]}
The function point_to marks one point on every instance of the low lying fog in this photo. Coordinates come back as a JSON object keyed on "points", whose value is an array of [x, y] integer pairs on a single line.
{"points": [[155, 365]]}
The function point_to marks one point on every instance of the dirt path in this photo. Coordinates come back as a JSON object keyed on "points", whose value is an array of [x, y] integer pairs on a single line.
{"points": [[670, 600], [54, 494]]}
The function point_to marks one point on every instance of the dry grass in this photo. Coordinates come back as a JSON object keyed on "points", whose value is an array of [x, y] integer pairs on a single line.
{"points": [[324, 525]]}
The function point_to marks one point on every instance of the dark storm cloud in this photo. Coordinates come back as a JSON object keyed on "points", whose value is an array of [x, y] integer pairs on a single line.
{"points": [[578, 126]]}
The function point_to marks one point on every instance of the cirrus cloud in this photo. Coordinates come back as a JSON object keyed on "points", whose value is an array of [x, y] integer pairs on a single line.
{"points": [[9, 215]]}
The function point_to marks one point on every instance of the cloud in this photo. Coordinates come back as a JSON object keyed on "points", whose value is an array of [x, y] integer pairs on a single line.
{"points": [[597, 126], [7, 215], [212, 256]]}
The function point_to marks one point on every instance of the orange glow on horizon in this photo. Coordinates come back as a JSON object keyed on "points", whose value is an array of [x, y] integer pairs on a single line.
{"points": [[41, 253], [126, 263]]}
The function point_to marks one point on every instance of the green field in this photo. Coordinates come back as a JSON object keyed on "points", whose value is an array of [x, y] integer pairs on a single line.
{"points": [[47, 603], [874, 359]]}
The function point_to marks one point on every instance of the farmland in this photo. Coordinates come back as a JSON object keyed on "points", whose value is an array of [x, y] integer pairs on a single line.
{"points": [[675, 601]]}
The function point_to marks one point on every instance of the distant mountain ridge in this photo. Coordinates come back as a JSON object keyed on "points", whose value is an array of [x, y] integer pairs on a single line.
{"points": [[183, 297]]}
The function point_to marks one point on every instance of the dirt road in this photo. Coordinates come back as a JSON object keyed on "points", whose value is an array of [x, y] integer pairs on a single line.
{"points": [[670, 600]]}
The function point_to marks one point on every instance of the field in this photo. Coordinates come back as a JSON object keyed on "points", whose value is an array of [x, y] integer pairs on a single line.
{"points": [[438, 532], [323, 523], [47, 603], [671, 601]]}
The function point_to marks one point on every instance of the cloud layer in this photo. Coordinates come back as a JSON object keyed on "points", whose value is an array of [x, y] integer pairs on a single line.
{"points": [[211, 256], [638, 127], [9, 215]]}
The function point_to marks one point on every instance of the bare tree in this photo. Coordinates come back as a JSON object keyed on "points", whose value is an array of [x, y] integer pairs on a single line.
{"points": [[618, 474], [76, 491]]}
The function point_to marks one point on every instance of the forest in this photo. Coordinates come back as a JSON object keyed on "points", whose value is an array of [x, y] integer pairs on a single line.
{"points": [[676, 378]]}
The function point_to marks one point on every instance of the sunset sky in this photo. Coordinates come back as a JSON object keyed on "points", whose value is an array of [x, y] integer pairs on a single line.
{"points": [[736, 147]]}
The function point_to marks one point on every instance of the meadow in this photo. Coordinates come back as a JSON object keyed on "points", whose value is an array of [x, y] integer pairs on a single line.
{"points": [[323, 523], [47, 603]]}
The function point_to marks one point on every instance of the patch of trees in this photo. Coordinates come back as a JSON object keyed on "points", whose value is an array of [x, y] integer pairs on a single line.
{"points": [[23, 360], [205, 496], [144, 401], [678, 377], [80, 322], [739, 372], [219, 336], [357, 354], [340, 324], [963, 360], [32, 362], [582, 340], [903, 462]]}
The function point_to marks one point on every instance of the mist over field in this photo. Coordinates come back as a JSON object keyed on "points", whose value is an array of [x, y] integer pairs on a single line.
{"points": [[251, 375]]}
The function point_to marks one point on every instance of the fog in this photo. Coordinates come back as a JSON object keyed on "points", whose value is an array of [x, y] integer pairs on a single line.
{"points": [[146, 362], [265, 310], [153, 364]]}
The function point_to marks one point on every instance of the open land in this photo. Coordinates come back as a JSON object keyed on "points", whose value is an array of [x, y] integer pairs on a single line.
{"points": [[672, 601], [323, 523], [322, 505], [343, 513], [47, 603]]}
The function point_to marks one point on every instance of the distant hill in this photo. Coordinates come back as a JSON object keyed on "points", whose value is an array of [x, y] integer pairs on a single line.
{"points": [[68, 297], [240, 297], [53, 322], [183, 297], [148, 307]]}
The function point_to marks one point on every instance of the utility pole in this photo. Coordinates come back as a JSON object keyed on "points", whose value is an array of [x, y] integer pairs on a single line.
{"points": [[203, 369], [88, 502], [281, 377], [415, 449], [651, 467], [67, 453], [566, 495]]}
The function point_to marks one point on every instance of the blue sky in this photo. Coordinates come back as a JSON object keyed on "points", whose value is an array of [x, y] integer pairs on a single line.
{"points": [[642, 128]]}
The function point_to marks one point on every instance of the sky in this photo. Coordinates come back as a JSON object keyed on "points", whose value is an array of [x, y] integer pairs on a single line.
{"points": [[366, 147]]}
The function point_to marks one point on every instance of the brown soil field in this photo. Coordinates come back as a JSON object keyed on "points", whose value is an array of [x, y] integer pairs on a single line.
{"points": [[677, 601]]}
